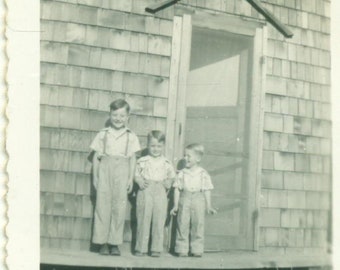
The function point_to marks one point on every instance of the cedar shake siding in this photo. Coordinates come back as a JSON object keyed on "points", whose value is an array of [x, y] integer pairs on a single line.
{"points": [[93, 52]]}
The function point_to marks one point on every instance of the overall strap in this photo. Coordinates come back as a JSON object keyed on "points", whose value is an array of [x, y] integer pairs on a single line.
{"points": [[105, 142], [182, 181], [202, 181], [127, 143]]}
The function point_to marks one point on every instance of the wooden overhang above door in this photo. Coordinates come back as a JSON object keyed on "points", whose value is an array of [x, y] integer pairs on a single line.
{"points": [[256, 4]]}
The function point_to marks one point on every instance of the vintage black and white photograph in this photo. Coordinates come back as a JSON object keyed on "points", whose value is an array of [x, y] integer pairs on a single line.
{"points": [[185, 134]]}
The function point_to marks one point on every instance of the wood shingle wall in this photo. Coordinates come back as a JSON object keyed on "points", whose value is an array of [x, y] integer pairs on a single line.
{"points": [[296, 180], [95, 51]]}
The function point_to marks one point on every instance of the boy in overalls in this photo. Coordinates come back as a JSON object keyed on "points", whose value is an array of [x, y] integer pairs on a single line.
{"points": [[114, 163], [154, 174], [191, 198]]}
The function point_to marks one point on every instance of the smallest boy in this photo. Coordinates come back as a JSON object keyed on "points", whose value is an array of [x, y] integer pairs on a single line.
{"points": [[192, 197], [114, 165]]}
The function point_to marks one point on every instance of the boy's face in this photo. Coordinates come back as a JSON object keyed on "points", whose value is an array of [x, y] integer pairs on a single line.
{"points": [[191, 158], [119, 118], [155, 147]]}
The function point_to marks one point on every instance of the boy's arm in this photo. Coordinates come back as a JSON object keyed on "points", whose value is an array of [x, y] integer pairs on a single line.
{"points": [[132, 168], [95, 166], [168, 182], [170, 176], [207, 195], [176, 199], [139, 178], [140, 182]]}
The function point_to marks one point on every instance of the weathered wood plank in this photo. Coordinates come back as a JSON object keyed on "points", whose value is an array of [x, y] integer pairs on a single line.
{"points": [[65, 243], [272, 179], [173, 83], [183, 72], [59, 160], [270, 218], [224, 23]]}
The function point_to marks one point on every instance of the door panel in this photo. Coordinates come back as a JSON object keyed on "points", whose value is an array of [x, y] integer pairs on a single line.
{"points": [[217, 116]]}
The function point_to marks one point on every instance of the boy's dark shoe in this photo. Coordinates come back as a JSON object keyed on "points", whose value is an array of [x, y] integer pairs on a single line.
{"points": [[139, 254], [115, 251], [197, 255], [155, 254], [104, 250]]}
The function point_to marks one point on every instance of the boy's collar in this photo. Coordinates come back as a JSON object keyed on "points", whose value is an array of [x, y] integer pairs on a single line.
{"points": [[158, 157], [125, 128], [197, 170], [119, 131], [149, 157]]}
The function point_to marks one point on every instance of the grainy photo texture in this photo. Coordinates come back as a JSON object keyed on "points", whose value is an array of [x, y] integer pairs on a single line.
{"points": [[185, 134]]}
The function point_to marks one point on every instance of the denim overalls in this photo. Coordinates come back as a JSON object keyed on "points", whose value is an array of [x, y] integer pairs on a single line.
{"points": [[110, 209], [190, 217]]}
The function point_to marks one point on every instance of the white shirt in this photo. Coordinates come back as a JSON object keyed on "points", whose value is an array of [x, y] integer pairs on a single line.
{"points": [[155, 169], [122, 142], [193, 181]]}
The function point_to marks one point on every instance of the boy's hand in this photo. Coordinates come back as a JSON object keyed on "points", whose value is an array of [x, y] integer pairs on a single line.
{"points": [[211, 210], [143, 184], [167, 183], [129, 186], [173, 211]]}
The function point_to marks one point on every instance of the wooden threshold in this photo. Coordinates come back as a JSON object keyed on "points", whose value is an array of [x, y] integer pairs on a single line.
{"points": [[225, 260]]}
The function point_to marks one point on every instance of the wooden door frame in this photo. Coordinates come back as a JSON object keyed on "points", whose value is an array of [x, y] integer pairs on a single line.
{"points": [[180, 63]]}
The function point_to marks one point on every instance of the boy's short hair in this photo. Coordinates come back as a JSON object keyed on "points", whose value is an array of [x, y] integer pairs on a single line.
{"points": [[156, 134], [118, 104], [197, 148]]}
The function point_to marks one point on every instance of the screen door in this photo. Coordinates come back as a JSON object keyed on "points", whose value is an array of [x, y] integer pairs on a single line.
{"points": [[217, 116]]}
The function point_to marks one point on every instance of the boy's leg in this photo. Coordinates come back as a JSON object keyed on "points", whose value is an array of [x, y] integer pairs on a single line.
{"points": [[102, 214], [158, 217], [197, 224], [144, 213], [183, 224], [119, 169]]}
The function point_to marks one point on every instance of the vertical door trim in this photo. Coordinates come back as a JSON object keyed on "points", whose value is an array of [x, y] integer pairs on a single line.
{"points": [[182, 84], [173, 86], [257, 124]]}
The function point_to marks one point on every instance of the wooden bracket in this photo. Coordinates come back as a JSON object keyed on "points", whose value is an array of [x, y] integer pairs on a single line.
{"points": [[284, 30], [159, 6]]}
